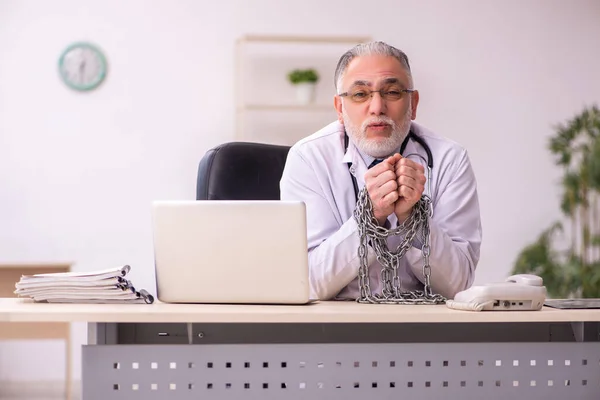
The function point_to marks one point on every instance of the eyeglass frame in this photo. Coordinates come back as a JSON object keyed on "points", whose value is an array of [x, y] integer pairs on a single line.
{"points": [[380, 91]]}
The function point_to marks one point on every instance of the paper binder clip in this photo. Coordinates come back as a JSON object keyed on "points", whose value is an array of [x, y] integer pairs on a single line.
{"points": [[125, 270], [148, 298]]}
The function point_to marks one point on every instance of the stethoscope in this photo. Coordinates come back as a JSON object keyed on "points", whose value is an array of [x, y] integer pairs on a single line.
{"points": [[416, 138]]}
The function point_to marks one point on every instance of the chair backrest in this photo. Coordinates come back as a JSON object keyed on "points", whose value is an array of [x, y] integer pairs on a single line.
{"points": [[241, 171]]}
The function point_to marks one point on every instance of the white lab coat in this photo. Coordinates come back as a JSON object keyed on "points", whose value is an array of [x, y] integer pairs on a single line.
{"points": [[317, 173]]}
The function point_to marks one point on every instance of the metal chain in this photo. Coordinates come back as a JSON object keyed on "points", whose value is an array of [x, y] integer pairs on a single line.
{"points": [[371, 233]]}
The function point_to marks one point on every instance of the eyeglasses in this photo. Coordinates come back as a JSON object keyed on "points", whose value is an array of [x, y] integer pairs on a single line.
{"points": [[362, 95]]}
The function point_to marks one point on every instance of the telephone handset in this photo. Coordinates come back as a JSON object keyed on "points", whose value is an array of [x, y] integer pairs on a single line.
{"points": [[526, 279], [522, 292]]}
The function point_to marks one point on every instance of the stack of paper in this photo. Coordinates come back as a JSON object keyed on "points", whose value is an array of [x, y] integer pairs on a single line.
{"points": [[106, 286]]}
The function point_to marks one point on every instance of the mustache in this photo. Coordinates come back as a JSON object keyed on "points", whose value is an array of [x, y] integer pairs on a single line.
{"points": [[378, 120]]}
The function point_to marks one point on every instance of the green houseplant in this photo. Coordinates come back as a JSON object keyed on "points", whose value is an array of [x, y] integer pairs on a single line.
{"points": [[575, 271], [305, 81], [303, 76]]}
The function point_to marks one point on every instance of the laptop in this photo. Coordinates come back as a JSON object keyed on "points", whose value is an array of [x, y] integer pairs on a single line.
{"points": [[240, 252]]}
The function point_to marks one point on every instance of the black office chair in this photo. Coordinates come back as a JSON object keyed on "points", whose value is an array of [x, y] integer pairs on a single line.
{"points": [[241, 171]]}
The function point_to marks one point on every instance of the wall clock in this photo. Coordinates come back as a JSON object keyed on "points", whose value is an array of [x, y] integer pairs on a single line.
{"points": [[82, 66]]}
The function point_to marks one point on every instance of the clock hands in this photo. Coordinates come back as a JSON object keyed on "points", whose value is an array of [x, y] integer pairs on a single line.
{"points": [[82, 70]]}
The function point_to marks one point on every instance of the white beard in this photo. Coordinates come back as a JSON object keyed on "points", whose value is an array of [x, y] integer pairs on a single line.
{"points": [[380, 148]]}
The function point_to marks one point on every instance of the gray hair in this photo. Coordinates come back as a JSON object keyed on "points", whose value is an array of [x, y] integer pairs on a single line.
{"points": [[366, 49]]}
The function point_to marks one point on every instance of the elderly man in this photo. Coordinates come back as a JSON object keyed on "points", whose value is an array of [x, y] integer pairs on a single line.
{"points": [[373, 144]]}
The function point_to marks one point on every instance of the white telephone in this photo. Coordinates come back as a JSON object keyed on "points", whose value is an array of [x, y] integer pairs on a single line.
{"points": [[523, 292]]}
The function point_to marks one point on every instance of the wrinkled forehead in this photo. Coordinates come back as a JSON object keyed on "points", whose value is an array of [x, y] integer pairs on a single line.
{"points": [[385, 81], [375, 70]]}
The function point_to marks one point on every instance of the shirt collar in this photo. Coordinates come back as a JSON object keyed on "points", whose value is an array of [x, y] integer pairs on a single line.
{"points": [[367, 158]]}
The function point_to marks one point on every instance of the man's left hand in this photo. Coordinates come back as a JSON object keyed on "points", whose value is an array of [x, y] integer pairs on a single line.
{"points": [[410, 177]]}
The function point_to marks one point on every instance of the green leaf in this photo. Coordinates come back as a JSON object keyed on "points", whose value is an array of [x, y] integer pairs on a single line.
{"points": [[538, 258], [303, 75], [593, 163], [591, 286], [571, 195]]}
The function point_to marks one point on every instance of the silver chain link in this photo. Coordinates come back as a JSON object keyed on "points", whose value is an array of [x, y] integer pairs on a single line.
{"points": [[371, 233]]}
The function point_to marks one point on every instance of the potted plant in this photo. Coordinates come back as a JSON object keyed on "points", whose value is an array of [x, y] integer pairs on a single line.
{"points": [[305, 81], [574, 272]]}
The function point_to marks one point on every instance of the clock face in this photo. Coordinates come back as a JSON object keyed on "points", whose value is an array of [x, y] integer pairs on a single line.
{"points": [[82, 66]]}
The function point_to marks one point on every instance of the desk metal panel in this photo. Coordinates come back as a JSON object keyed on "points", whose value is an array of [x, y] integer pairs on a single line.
{"points": [[551, 370]]}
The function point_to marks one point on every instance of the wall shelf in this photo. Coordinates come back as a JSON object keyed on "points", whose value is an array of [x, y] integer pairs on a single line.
{"points": [[304, 39], [264, 100], [286, 107]]}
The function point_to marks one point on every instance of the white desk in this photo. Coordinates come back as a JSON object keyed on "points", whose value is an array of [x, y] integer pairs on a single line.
{"points": [[328, 350]]}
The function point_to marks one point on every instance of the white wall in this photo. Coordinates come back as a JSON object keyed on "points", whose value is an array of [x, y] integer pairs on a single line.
{"points": [[78, 171]]}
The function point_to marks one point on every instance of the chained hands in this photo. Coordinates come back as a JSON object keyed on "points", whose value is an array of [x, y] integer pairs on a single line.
{"points": [[382, 186], [410, 177], [395, 185]]}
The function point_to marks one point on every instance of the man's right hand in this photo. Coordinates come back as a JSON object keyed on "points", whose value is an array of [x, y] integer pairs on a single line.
{"points": [[381, 184]]}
